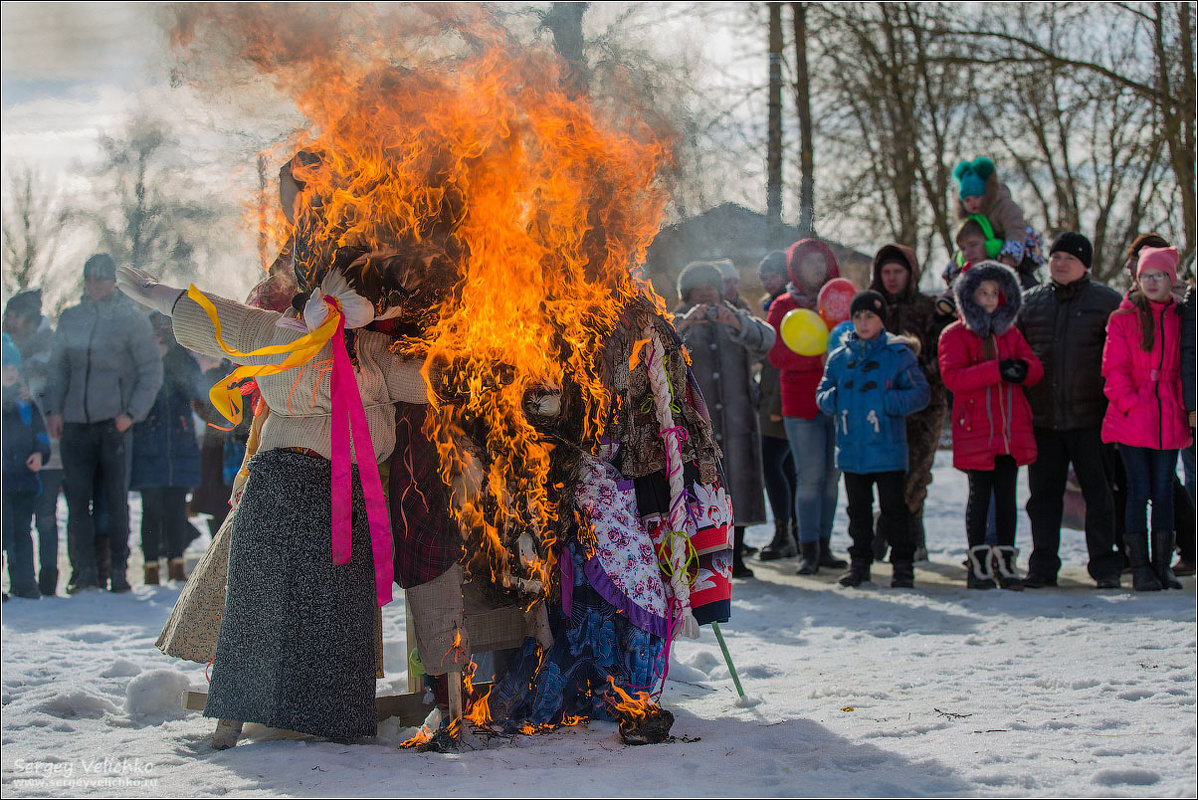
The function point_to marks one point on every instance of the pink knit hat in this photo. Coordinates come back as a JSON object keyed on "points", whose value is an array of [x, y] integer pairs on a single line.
{"points": [[1163, 258]]}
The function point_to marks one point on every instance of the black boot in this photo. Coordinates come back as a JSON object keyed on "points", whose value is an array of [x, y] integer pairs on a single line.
{"points": [[902, 574], [782, 545], [858, 574], [1163, 543], [826, 559], [1143, 578], [919, 536], [981, 571], [739, 570], [1005, 571], [808, 558]]}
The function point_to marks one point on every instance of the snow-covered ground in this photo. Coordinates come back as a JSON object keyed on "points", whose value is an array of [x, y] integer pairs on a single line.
{"points": [[935, 691]]}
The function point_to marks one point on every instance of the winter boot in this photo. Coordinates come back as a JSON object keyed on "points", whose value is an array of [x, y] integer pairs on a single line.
{"points": [[227, 732], [858, 574], [782, 545], [152, 573], [1005, 571], [1163, 543], [809, 558], [919, 536], [176, 569], [981, 571], [739, 570], [826, 559], [902, 574], [1143, 578]]}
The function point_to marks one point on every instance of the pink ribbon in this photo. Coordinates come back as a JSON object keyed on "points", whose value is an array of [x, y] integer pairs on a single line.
{"points": [[347, 409]]}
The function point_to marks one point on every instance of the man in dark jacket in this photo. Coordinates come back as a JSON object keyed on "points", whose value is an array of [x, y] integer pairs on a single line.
{"points": [[912, 314], [1065, 321], [105, 372]]}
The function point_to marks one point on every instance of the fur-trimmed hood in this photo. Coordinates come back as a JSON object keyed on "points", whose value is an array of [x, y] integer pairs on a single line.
{"points": [[902, 254], [974, 316], [795, 254]]}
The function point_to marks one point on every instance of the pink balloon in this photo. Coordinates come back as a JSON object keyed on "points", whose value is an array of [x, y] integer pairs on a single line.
{"points": [[834, 301]]}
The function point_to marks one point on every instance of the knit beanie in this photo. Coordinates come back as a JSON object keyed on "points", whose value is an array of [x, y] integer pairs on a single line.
{"points": [[1163, 258], [11, 355], [727, 268], [773, 263], [100, 265], [696, 274], [972, 175], [1074, 244], [869, 300]]}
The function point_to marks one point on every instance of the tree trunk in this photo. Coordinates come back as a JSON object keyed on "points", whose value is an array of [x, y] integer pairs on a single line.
{"points": [[806, 134], [773, 166]]}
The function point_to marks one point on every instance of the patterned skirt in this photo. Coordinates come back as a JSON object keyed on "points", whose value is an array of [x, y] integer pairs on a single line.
{"points": [[296, 648]]}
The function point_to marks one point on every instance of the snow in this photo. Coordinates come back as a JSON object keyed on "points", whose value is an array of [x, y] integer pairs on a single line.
{"points": [[932, 691]]}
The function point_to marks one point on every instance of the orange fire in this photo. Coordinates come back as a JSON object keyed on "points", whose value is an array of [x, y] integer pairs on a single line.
{"points": [[625, 706], [519, 207]]}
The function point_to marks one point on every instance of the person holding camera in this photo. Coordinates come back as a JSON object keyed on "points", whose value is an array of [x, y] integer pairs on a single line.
{"points": [[724, 342]]}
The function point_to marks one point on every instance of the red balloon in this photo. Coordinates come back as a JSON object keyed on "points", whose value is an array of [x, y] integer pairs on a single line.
{"points": [[834, 301]]}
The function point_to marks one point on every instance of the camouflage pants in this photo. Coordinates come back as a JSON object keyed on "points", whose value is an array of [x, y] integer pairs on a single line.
{"points": [[923, 438]]}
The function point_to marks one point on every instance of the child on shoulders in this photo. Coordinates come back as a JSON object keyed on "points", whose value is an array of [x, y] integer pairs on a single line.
{"points": [[1015, 243], [870, 384]]}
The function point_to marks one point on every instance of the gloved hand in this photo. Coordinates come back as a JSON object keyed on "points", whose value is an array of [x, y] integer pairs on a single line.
{"points": [[145, 289], [1013, 370], [946, 306]]}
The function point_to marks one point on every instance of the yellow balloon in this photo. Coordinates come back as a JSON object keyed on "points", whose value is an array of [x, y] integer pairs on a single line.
{"points": [[805, 332]]}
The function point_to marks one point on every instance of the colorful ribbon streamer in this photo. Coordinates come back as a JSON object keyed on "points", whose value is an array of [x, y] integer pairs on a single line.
{"points": [[347, 410]]}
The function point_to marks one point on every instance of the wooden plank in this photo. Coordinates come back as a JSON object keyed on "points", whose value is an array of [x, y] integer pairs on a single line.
{"points": [[410, 708]]}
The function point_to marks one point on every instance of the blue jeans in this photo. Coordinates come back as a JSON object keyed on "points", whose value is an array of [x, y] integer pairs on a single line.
{"points": [[813, 443], [1149, 478]]}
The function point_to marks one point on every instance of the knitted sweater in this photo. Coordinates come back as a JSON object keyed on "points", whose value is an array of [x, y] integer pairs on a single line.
{"points": [[299, 399]]}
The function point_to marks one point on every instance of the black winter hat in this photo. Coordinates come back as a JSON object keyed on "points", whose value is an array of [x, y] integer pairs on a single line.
{"points": [[27, 303], [100, 265], [869, 300], [1074, 244]]}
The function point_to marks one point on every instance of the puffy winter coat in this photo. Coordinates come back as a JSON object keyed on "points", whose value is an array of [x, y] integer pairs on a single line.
{"points": [[165, 450], [105, 362], [1065, 325], [1144, 389], [722, 362], [800, 375], [24, 433], [869, 387], [989, 416]]}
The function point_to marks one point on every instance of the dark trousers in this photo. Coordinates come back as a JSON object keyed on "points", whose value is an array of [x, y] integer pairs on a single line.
{"points": [[1150, 475], [165, 529], [893, 522], [1046, 478], [781, 480], [18, 542], [998, 483], [86, 449], [45, 514]]}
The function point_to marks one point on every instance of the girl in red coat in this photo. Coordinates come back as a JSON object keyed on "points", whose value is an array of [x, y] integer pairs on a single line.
{"points": [[812, 434], [983, 360], [1146, 415]]}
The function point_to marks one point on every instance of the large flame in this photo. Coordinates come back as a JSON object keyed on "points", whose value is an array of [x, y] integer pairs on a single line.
{"points": [[506, 203]]}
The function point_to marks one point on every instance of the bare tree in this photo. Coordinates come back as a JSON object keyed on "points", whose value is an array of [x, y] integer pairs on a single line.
{"points": [[33, 223], [806, 129], [156, 217]]}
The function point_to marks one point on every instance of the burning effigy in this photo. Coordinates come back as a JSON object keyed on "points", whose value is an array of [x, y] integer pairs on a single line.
{"points": [[487, 218]]}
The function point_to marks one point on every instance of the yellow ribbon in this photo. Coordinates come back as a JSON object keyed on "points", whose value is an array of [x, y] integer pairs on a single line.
{"points": [[228, 399]]}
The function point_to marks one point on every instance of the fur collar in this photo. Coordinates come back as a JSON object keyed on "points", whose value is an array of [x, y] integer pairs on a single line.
{"points": [[974, 316]]}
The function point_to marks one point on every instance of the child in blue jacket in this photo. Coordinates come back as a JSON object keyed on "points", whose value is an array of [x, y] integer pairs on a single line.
{"points": [[25, 448], [870, 384]]}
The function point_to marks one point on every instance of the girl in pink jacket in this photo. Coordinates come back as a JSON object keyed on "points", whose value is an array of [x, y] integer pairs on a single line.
{"points": [[1146, 416]]}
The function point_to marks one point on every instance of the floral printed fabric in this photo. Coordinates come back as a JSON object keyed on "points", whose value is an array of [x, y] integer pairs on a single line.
{"points": [[596, 642], [624, 569]]}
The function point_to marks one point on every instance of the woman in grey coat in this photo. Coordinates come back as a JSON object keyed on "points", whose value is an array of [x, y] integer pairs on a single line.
{"points": [[724, 342]]}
